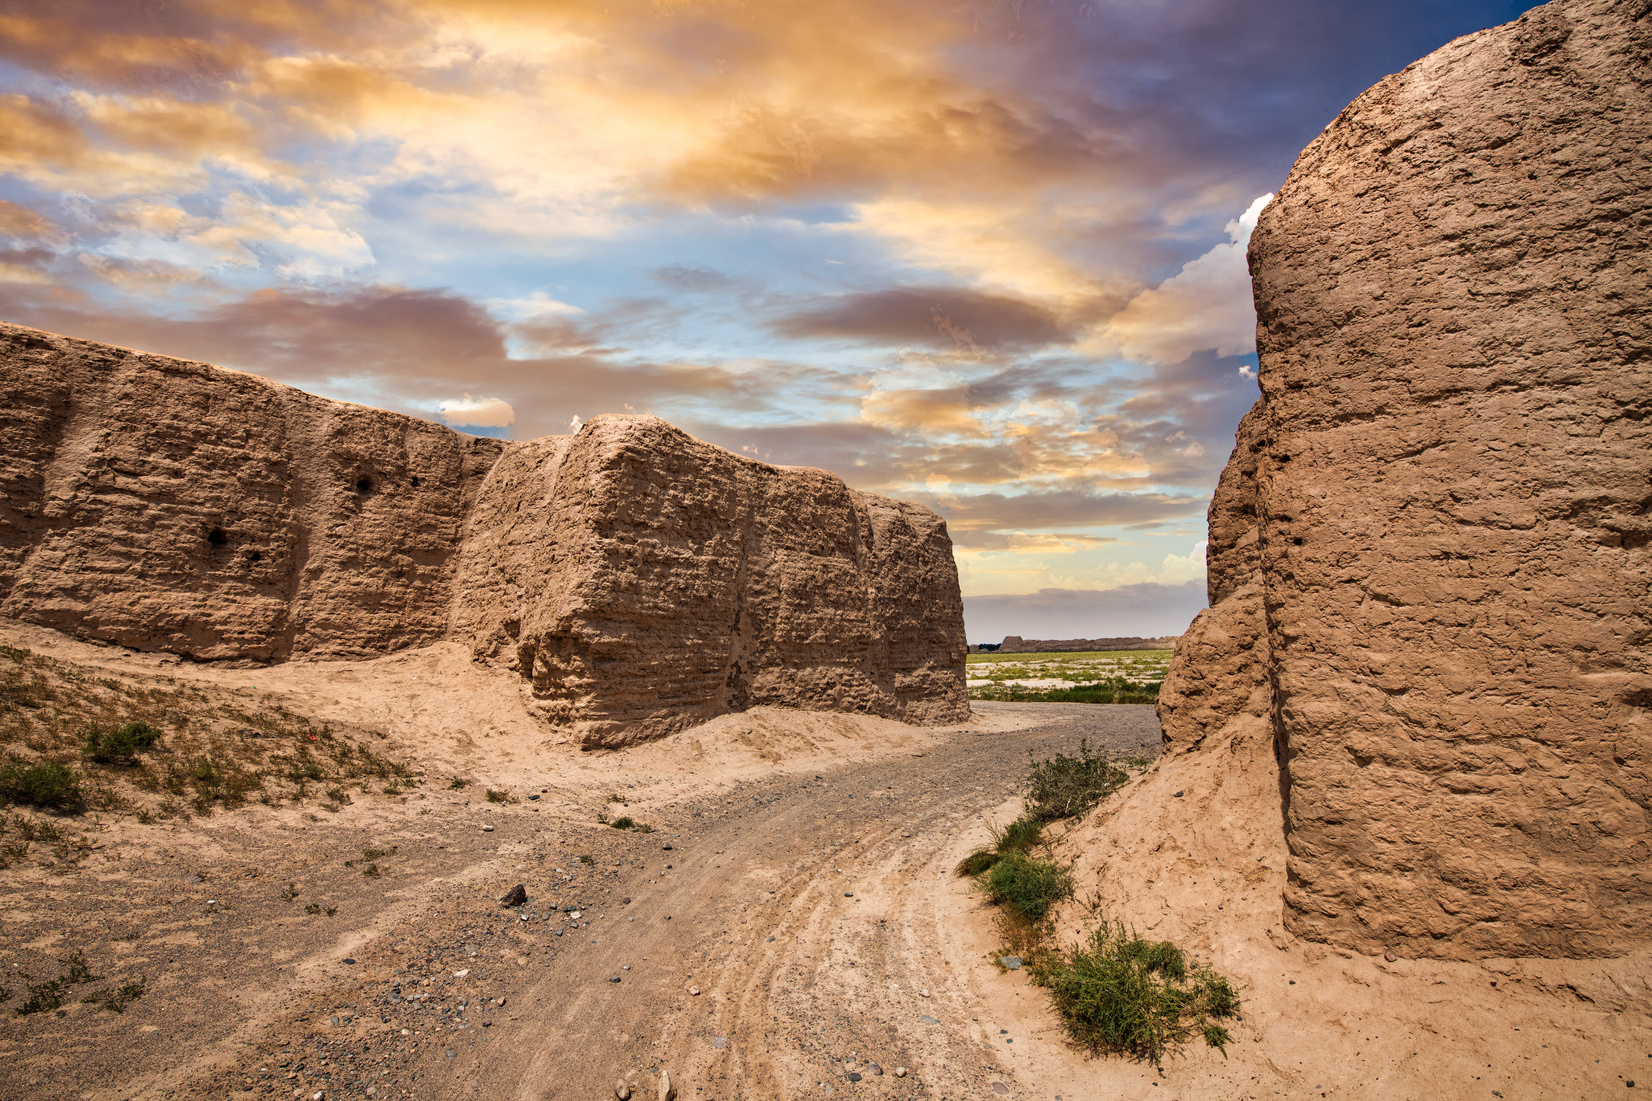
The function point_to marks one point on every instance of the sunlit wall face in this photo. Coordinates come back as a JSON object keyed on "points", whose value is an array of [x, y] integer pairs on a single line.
{"points": [[984, 255]]}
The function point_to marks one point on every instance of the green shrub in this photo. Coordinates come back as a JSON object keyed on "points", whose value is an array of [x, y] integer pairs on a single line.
{"points": [[977, 862], [43, 998], [121, 745], [1126, 995], [622, 823], [1026, 886], [497, 796], [1021, 835], [1063, 786], [44, 784]]}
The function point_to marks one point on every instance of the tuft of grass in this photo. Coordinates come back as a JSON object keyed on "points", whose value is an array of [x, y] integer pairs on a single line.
{"points": [[371, 871], [313, 908], [614, 798], [1027, 887], [1022, 835], [43, 998], [1123, 994], [586, 858], [43, 784], [496, 796], [116, 999], [458, 783], [121, 745], [622, 823], [1062, 786]]}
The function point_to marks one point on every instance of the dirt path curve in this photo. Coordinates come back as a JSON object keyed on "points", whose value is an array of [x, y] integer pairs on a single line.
{"points": [[811, 918]]}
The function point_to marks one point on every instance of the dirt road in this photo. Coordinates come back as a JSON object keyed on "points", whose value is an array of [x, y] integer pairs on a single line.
{"points": [[815, 913]]}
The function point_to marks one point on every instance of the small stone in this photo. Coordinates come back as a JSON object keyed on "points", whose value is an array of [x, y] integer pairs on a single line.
{"points": [[616, 978], [461, 974], [193, 879], [926, 1019], [533, 798], [516, 896], [848, 894], [1000, 1089], [487, 829], [719, 1041], [873, 1068], [1389, 956], [923, 993], [693, 992], [1011, 962], [853, 1077], [666, 847], [622, 1091], [668, 1092], [348, 960], [771, 940], [900, 1072], [500, 1002], [448, 1053], [1178, 795]]}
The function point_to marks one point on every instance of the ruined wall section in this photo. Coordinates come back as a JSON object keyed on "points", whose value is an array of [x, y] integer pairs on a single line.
{"points": [[168, 505], [1454, 503], [654, 581]]}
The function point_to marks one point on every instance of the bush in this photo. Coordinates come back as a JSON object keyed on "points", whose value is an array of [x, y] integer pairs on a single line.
{"points": [[1126, 995], [1021, 835], [122, 745], [1063, 786], [1028, 887], [496, 796], [45, 784], [622, 823]]}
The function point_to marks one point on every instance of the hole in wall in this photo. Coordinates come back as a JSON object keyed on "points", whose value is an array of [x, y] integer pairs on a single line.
{"points": [[364, 484], [217, 537]]}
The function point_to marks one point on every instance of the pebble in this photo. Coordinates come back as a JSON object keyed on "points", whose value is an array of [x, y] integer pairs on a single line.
{"points": [[853, 1077], [666, 847], [1011, 962], [347, 959], [622, 1091], [487, 829], [848, 894], [1000, 1089], [616, 978], [668, 1092], [900, 1072], [694, 992], [719, 1041], [1389, 956], [771, 940], [873, 1068], [461, 974], [516, 896], [926, 1019]]}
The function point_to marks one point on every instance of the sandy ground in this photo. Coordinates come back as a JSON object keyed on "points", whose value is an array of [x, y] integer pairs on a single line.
{"points": [[806, 893]]}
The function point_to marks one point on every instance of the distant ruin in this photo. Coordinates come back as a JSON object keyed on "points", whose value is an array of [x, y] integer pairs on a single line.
{"points": [[1430, 572], [1015, 644], [637, 579]]}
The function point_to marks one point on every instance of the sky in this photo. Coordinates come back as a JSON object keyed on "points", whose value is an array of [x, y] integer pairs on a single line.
{"points": [[987, 255]]}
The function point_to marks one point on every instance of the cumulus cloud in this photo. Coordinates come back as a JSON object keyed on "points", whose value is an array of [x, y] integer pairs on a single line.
{"points": [[469, 412], [1206, 306]]}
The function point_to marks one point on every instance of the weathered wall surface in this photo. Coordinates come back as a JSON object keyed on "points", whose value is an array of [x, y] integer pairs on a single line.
{"points": [[168, 505], [639, 579], [1429, 553]]}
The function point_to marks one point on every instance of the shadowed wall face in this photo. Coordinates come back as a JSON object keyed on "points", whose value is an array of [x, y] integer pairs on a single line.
{"points": [[639, 579], [1431, 546]]}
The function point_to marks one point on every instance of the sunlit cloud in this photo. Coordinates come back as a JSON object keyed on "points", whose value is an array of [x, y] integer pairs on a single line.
{"points": [[469, 412], [1206, 306]]}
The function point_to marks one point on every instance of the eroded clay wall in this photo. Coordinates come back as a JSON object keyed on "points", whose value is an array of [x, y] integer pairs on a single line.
{"points": [[1447, 578]]}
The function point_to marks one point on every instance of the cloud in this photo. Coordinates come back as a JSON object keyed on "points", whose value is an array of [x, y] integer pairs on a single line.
{"points": [[469, 412], [1207, 306], [1147, 610], [942, 317]]}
